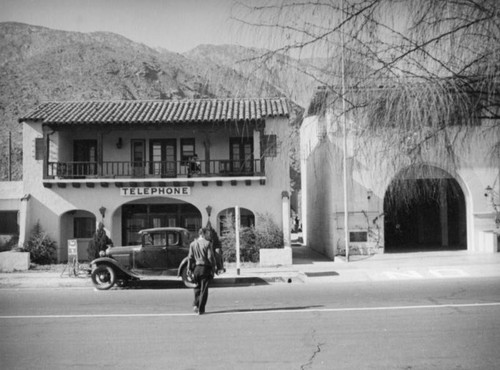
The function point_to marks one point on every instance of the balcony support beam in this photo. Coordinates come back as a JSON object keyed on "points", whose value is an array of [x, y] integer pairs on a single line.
{"points": [[99, 153]]}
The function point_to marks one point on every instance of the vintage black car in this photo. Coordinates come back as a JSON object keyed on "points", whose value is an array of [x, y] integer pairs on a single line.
{"points": [[163, 252]]}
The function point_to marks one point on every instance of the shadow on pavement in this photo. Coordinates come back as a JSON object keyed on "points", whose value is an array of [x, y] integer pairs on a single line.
{"points": [[320, 274], [154, 284], [239, 281], [270, 309], [178, 284]]}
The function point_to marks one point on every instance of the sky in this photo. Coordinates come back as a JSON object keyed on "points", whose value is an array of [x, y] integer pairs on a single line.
{"points": [[176, 25]]}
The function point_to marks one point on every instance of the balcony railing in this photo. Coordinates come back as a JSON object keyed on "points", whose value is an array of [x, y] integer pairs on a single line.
{"points": [[150, 169]]}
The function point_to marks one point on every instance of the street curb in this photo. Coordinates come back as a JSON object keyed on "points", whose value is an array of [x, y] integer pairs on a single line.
{"points": [[416, 267], [38, 280]]}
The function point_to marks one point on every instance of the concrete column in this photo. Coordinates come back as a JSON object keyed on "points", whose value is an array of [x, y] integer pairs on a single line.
{"points": [[23, 220], [100, 154], [304, 198], [285, 201]]}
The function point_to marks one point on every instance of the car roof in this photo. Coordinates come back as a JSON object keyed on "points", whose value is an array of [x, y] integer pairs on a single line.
{"points": [[155, 229]]}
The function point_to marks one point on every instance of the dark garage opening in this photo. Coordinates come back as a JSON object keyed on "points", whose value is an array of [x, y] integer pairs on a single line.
{"points": [[424, 215]]}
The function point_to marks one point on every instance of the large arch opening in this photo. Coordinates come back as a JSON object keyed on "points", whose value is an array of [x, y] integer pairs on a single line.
{"points": [[157, 212], [424, 210]]}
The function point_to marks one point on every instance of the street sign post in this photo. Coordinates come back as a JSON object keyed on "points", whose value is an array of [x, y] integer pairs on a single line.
{"points": [[72, 265]]}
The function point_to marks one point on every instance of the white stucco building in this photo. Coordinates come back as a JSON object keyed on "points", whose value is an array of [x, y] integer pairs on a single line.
{"points": [[457, 210], [131, 165]]}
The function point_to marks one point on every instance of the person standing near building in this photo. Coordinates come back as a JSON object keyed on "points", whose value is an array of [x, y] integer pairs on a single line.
{"points": [[202, 256], [99, 242]]}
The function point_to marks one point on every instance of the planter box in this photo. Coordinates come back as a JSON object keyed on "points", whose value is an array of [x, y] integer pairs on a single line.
{"points": [[14, 261], [275, 257]]}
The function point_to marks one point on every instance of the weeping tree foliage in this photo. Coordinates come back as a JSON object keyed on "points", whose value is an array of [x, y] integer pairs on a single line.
{"points": [[411, 73], [412, 63]]}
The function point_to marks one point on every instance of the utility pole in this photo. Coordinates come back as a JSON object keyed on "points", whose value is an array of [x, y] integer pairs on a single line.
{"points": [[237, 236], [9, 157], [344, 124]]}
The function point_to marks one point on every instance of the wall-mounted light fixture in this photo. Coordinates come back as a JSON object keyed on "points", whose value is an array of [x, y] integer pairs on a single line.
{"points": [[209, 210], [119, 143], [102, 211], [488, 191], [369, 194]]}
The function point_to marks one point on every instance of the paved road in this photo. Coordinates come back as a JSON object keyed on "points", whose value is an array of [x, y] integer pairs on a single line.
{"points": [[424, 324]]}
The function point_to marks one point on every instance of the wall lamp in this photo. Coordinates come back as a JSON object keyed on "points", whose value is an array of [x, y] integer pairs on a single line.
{"points": [[488, 191], [102, 211], [119, 143], [369, 194], [209, 210]]}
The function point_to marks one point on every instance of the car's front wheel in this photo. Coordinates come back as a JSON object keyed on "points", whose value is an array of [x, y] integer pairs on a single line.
{"points": [[103, 277]]}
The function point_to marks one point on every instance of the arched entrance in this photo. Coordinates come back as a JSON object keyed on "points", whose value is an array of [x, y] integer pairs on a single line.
{"points": [[424, 210], [157, 212], [79, 225]]}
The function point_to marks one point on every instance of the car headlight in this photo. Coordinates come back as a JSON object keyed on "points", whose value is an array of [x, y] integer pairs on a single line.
{"points": [[102, 253]]}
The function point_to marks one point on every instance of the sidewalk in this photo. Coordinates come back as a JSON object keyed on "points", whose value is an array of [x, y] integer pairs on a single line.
{"points": [[308, 267]]}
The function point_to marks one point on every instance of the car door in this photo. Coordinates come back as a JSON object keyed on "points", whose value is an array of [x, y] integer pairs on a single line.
{"points": [[153, 256], [177, 249]]}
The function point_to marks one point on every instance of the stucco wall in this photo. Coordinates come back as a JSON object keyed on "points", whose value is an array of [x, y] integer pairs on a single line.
{"points": [[48, 205], [371, 169]]}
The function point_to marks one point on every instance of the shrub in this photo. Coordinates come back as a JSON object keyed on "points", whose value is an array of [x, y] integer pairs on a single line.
{"points": [[267, 233], [248, 250], [41, 247]]}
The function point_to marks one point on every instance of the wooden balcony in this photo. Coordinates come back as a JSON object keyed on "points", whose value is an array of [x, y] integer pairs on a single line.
{"points": [[154, 170]]}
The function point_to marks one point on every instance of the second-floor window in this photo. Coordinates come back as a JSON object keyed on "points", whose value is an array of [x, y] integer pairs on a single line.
{"points": [[187, 150], [241, 154], [163, 157], [85, 157], [39, 149], [138, 157]]}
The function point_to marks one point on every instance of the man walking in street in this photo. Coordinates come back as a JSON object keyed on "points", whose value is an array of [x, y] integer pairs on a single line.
{"points": [[202, 256]]}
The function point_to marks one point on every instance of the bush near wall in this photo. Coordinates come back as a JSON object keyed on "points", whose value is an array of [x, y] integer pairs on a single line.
{"points": [[42, 249], [265, 235]]}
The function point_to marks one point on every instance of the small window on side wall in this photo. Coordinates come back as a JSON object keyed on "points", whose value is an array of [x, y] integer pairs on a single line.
{"points": [[39, 148], [8, 224]]}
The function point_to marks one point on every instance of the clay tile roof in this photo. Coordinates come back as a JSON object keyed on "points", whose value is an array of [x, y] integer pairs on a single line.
{"points": [[158, 111]]}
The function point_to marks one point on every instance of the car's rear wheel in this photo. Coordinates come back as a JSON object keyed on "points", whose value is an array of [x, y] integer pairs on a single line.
{"points": [[103, 277], [187, 279]]}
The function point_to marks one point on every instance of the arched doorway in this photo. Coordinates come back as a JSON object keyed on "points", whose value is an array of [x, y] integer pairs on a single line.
{"points": [[79, 225], [157, 212], [424, 210]]}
